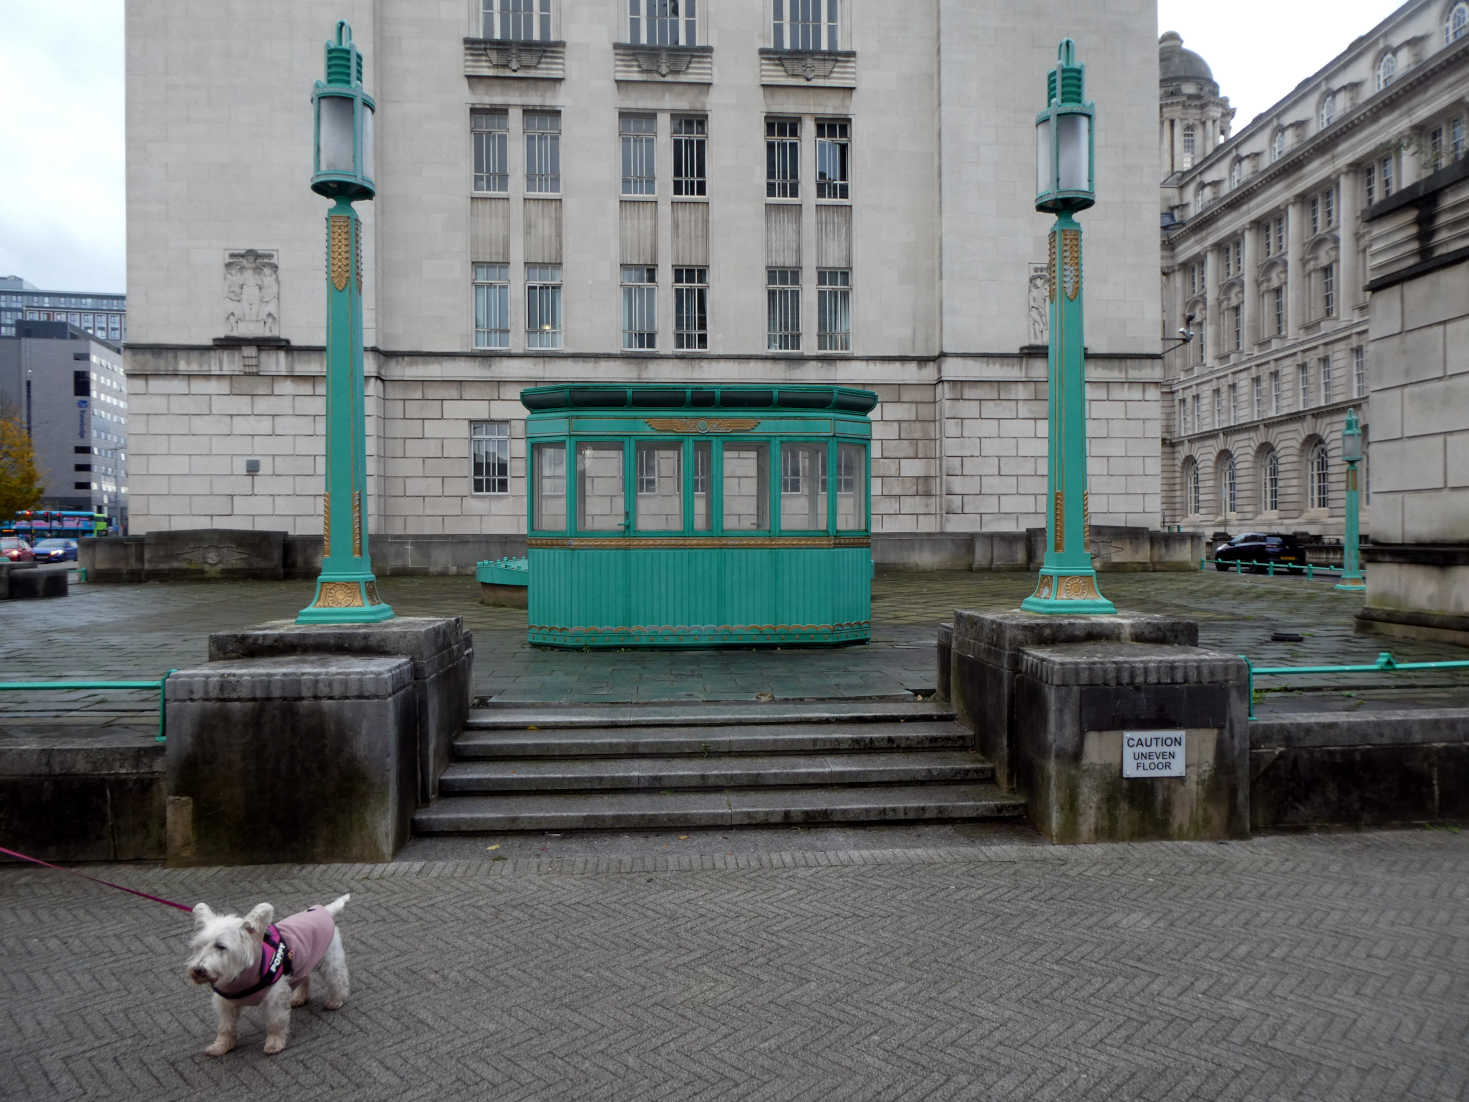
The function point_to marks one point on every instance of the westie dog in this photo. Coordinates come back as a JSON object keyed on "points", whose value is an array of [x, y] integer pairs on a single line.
{"points": [[244, 959]]}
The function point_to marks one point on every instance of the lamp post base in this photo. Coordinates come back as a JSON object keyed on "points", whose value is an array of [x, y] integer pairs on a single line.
{"points": [[345, 600], [1352, 584], [1068, 592]]}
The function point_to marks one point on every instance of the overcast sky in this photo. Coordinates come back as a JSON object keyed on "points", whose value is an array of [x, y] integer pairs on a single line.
{"points": [[61, 122]]}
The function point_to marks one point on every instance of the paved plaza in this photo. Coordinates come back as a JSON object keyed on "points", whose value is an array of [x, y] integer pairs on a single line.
{"points": [[122, 632], [1291, 968]]}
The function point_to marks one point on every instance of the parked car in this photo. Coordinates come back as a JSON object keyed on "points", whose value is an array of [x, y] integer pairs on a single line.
{"points": [[1256, 549], [55, 550], [16, 549]]}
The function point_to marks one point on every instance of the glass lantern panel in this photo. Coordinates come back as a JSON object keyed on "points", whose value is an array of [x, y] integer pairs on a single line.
{"points": [[1073, 134], [660, 487], [600, 503], [549, 461], [1044, 181], [1351, 446], [334, 135], [366, 114], [746, 486]]}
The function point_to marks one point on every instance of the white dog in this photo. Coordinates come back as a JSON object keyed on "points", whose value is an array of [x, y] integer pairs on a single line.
{"points": [[244, 958]]}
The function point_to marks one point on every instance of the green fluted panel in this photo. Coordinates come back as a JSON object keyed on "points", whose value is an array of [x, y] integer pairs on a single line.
{"points": [[695, 597]]}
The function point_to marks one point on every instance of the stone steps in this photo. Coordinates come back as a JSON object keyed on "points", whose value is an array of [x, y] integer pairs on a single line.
{"points": [[699, 765]]}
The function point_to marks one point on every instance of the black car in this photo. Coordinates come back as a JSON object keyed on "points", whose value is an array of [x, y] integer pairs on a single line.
{"points": [[1255, 549]]}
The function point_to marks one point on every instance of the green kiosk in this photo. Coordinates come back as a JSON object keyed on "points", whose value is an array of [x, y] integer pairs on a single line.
{"points": [[664, 515]]}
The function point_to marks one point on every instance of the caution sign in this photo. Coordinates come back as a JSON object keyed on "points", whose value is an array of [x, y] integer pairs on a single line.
{"points": [[1152, 753]]}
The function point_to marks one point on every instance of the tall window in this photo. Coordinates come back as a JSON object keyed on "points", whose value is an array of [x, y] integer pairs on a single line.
{"points": [[1386, 165], [521, 20], [783, 309], [1323, 210], [1457, 24], [1277, 145], [543, 152], [1259, 390], [1303, 373], [1274, 392], [663, 22], [690, 137], [491, 132], [1369, 183], [1359, 372], [492, 306], [834, 309], [1234, 403], [833, 177], [1270, 483], [691, 308], [1188, 145], [1277, 309], [1228, 486], [1328, 110], [1182, 417], [1234, 322], [1236, 173], [1328, 291], [1387, 69], [1191, 486], [1456, 137], [1435, 148], [639, 307], [1196, 422], [636, 134], [805, 25], [1325, 380], [1319, 472], [489, 457], [543, 306], [782, 158]]}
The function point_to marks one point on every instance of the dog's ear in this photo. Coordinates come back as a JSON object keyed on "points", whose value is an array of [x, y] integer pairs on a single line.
{"points": [[260, 916], [202, 914]]}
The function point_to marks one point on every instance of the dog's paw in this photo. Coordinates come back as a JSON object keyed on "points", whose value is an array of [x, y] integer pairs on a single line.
{"points": [[274, 1045], [334, 1004], [220, 1047], [299, 997]]}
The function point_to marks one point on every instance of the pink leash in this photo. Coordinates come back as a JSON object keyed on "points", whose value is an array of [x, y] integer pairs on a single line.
{"points": [[84, 876]]}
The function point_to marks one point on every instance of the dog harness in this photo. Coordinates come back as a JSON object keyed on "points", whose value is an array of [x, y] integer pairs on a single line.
{"points": [[291, 947]]}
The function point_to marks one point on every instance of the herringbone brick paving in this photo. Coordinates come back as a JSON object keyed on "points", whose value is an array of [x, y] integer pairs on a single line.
{"points": [[1330, 967]]}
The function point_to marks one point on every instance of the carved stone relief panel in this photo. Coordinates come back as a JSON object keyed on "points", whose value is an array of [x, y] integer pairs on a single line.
{"points": [[252, 293], [1037, 305]]}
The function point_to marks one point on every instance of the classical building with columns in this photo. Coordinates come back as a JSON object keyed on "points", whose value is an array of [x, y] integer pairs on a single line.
{"points": [[1265, 262], [768, 191]]}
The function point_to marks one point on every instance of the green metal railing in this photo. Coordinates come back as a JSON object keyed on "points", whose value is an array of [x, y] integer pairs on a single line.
{"points": [[64, 686], [1330, 570], [1385, 662]]}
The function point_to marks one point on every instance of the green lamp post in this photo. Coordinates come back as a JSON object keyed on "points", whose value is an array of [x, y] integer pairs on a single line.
{"points": [[346, 590], [1351, 451], [1064, 175]]}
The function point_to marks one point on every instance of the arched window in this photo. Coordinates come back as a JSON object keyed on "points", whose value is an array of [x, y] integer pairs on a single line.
{"points": [[1191, 486], [1317, 471], [1457, 24], [1228, 486], [1328, 110], [1188, 145], [1387, 68], [1270, 482]]}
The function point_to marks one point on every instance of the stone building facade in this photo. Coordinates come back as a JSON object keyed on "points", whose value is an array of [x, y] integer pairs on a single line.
{"points": [[569, 190], [1265, 262]]}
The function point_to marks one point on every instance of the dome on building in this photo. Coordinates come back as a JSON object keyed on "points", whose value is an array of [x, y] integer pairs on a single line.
{"points": [[1176, 63]]}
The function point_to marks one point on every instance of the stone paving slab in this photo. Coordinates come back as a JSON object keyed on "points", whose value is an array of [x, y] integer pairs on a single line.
{"points": [[1291, 967], [118, 632]]}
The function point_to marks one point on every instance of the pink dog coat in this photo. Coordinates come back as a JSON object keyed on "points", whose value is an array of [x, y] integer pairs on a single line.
{"points": [[293, 946]]}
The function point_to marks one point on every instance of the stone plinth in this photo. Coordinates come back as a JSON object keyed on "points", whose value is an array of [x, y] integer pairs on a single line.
{"points": [[985, 660], [1077, 704], [213, 553], [441, 651], [305, 758]]}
